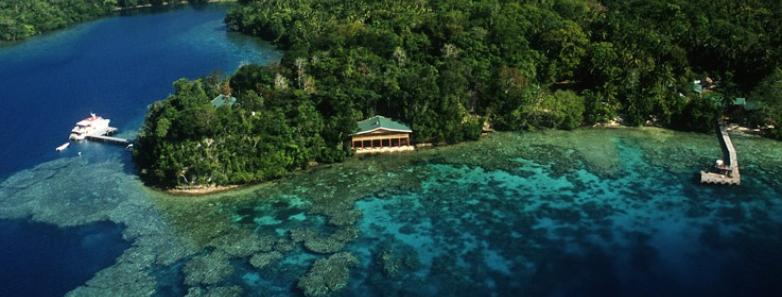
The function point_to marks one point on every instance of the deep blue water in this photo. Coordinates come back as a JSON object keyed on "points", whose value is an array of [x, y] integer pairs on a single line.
{"points": [[115, 67], [44, 260]]}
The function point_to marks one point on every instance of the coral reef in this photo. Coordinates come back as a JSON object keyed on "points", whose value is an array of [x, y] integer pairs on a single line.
{"points": [[232, 291], [324, 244], [302, 234], [328, 275], [241, 243], [284, 245], [207, 269], [507, 214], [393, 262], [346, 218], [52, 193], [125, 279], [261, 260], [390, 263]]}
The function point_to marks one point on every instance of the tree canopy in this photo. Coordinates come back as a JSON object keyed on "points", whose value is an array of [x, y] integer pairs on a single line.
{"points": [[20, 19], [447, 66]]}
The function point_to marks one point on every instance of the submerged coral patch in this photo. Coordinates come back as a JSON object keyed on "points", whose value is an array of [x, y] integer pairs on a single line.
{"points": [[261, 260], [208, 269], [589, 212], [328, 275]]}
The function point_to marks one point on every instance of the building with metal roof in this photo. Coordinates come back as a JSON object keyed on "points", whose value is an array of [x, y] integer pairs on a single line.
{"points": [[381, 134], [746, 104], [223, 100]]}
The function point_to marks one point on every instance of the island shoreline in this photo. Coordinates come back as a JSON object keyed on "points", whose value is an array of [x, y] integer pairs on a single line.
{"points": [[166, 4], [113, 12], [201, 190], [204, 191], [555, 108]]}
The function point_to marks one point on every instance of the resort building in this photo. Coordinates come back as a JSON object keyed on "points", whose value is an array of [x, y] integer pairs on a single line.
{"points": [[223, 100], [380, 134], [744, 104]]}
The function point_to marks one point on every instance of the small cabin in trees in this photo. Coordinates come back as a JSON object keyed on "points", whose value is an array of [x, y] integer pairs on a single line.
{"points": [[223, 100], [380, 134]]}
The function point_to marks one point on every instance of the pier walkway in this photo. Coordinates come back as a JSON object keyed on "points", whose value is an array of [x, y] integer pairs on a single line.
{"points": [[116, 140], [730, 174], [109, 139]]}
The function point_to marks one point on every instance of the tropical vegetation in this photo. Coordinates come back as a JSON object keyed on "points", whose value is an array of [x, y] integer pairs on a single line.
{"points": [[447, 67], [20, 19]]}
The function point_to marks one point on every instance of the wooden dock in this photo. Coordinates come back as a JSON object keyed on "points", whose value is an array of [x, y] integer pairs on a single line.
{"points": [[109, 139], [732, 175]]}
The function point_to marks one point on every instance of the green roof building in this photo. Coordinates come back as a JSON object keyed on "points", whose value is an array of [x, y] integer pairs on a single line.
{"points": [[223, 100], [747, 105], [381, 134], [697, 87], [381, 123]]}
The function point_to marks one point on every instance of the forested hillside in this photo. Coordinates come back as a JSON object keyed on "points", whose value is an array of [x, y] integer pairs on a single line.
{"points": [[20, 19], [445, 67]]}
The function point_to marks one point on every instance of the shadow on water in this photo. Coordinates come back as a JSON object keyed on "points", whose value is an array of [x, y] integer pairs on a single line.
{"points": [[69, 256]]}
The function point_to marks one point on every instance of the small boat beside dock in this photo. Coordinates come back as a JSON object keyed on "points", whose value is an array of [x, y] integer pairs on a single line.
{"points": [[727, 173], [63, 147]]}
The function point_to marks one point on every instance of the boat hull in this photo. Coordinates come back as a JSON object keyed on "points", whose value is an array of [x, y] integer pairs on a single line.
{"points": [[63, 147]]}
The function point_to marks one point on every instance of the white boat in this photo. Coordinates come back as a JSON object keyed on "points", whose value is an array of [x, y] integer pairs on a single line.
{"points": [[63, 147], [93, 125]]}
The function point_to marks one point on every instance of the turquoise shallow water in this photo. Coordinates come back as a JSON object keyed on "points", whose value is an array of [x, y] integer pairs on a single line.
{"points": [[580, 213], [574, 235], [584, 213]]}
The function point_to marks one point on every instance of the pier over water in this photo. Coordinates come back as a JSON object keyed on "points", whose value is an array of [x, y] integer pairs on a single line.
{"points": [[108, 139], [729, 172]]}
